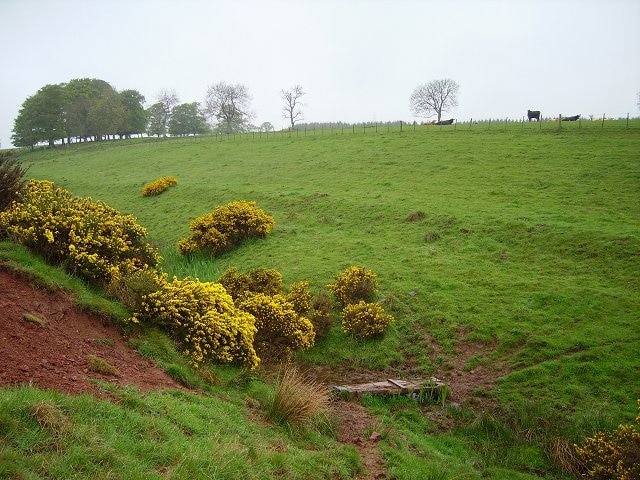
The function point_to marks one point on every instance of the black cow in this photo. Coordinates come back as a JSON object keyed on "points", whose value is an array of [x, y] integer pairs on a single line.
{"points": [[445, 122], [531, 114], [572, 118]]}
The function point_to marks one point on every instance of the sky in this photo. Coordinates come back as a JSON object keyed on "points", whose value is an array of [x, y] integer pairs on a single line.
{"points": [[357, 60]]}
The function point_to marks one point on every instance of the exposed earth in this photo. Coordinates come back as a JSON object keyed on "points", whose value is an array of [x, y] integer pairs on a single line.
{"points": [[45, 341]]}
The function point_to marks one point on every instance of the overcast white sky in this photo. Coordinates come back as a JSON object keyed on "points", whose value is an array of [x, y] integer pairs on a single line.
{"points": [[358, 60]]}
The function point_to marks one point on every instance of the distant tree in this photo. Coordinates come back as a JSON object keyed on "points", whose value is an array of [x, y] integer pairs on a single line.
{"points": [[266, 127], [168, 99], [155, 120], [106, 115], [187, 119], [434, 98], [135, 118], [41, 118], [229, 105], [81, 95], [292, 105]]}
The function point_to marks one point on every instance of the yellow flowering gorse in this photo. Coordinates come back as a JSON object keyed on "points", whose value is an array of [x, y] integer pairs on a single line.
{"points": [[612, 455], [365, 320], [354, 284], [203, 318], [158, 186], [281, 330], [89, 238], [225, 227]]}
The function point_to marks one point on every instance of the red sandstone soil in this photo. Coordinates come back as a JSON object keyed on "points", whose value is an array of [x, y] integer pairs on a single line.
{"points": [[55, 356]]}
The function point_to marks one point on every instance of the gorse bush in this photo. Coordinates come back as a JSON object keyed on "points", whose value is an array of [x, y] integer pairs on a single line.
{"points": [[88, 238], [322, 317], [354, 284], [202, 317], [365, 320], [226, 227], [11, 178], [612, 455], [281, 331], [132, 287], [300, 297], [158, 186], [261, 280]]}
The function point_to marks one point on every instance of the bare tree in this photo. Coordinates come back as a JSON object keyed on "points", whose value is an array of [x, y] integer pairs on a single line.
{"points": [[229, 105], [291, 109], [433, 98], [168, 99]]}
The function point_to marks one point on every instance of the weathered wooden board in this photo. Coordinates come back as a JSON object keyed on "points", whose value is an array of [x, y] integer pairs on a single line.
{"points": [[392, 387]]}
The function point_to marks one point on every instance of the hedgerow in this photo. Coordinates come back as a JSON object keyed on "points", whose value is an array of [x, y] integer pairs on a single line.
{"points": [[88, 238], [158, 186], [203, 319], [226, 227], [353, 285], [281, 330], [365, 320]]}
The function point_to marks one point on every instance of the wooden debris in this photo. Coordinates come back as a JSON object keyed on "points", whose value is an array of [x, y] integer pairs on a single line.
{"points": [[431, 388]]}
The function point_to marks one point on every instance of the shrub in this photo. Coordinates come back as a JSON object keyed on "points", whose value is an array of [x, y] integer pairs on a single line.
{"points": [[158, 186], [298, 399], [321, 315], [204, 320], [280, 329], [612, 455], [353, 285], [90, 239], [300, 297], [261, 280], [130, 288], [365, 320], [11, 178], [226, 227]]}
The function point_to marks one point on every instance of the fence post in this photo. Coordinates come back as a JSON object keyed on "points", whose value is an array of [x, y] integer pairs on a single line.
{"points": [[559, 121], [401, 123], [603, 115], [470, 122], [627, 119]]}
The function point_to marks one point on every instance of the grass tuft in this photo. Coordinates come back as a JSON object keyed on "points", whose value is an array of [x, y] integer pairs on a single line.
{"points": [[298, 400], [35, 318], [100, 365]]}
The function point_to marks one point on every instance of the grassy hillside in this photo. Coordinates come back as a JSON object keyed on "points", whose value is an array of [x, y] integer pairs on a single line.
{"points": [[521, 240]]}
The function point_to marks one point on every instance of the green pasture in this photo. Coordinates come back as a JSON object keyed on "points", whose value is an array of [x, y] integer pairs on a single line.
{"points": [[520, 237]]}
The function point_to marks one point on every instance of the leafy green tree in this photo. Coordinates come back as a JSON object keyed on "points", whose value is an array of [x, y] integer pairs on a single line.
{"points": [[155, 120], [41, 118], [82, 94], [187, 119], [135, 118], [106, 115]]}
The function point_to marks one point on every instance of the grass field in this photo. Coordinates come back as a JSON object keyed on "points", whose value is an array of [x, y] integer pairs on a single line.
{"points": [[520, 238]]}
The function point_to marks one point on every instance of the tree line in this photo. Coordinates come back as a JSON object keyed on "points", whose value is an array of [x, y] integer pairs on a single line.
{"points": [[91, 109]]}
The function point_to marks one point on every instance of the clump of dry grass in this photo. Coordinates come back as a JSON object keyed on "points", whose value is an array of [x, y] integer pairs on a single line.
{"points": [[35, 318], [53, 421], [100, 365], [565, 456], [298, 399]]}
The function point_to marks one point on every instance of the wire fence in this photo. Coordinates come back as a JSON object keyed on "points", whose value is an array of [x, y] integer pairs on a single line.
{"points": [[554, 124], [371, 128]]}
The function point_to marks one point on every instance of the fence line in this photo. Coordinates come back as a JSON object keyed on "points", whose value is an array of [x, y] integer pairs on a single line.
{"points": [[497, 125]]}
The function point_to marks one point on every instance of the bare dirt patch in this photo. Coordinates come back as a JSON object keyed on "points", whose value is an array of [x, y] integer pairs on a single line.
{"points": [[46, 342]]}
